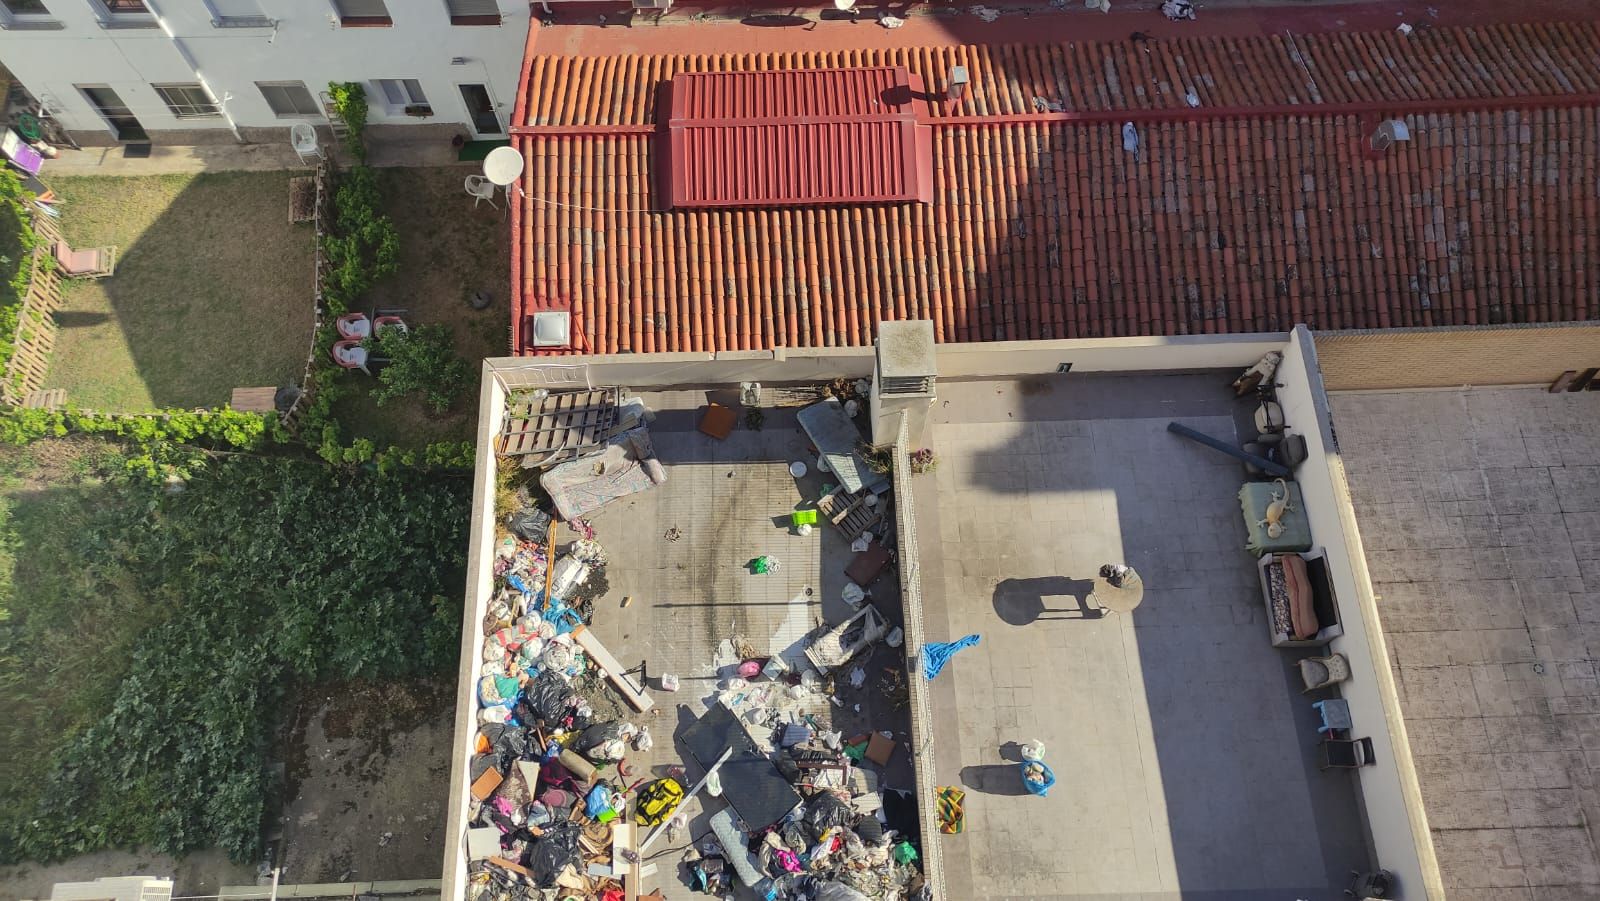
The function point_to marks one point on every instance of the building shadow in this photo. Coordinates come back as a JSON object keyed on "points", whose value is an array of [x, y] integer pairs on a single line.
{"points": [[1020, 602]]}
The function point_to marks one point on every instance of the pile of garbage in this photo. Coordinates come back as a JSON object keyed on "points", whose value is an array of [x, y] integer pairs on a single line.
{"points": [[548, 783]]}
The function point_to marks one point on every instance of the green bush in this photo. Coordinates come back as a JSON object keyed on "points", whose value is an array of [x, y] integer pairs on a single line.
{"points": [[261, 573], [17, 242], [220, 428], [350, 105], [363, 245], [422, 360]]}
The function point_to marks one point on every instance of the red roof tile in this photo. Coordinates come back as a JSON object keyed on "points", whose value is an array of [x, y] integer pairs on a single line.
{"points": [[1244, 218], [794, 138]]}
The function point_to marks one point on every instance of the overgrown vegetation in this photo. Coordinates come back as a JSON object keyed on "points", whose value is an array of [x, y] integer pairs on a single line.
{"points": [[350, 105], [158, 629], [17, 241], [363, 246], [421, 361]]}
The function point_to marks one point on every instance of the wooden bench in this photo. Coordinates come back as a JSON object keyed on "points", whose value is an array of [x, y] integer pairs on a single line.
{"points": [[254, 400]]}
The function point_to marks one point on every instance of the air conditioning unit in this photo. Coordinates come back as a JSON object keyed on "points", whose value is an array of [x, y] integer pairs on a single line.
{"points": [[907, 366]]}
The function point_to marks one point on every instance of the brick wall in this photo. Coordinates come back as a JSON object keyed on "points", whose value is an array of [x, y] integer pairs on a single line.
{"points": [[1452, 357]]}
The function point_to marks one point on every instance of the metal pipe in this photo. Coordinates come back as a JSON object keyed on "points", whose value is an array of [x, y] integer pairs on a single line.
{"points": [[1261, 463]]}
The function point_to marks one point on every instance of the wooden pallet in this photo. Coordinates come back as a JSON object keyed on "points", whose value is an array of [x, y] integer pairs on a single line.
{"points": [[849, 512], [53, 399], [559, 425]]}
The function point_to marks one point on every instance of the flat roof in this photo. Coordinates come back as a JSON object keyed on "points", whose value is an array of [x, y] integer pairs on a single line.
{"points": [[1480, 513], [1184, 749]]}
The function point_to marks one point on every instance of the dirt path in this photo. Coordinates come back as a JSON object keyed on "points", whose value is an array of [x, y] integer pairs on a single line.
{"points": [[366, 772]]}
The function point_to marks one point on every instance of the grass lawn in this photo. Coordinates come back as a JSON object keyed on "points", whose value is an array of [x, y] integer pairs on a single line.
{"points": [[54, 678], [448, 251], [212, 290]]}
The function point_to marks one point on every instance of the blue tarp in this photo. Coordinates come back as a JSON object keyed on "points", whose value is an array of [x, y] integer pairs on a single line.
{"points": [[935, 656]]}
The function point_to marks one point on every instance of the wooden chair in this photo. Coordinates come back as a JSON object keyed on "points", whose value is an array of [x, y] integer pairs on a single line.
{"points": [[97, 263]]}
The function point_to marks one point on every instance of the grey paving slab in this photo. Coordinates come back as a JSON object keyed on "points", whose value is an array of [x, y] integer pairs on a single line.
{"points": [[1180, 742], [1477, 511]]}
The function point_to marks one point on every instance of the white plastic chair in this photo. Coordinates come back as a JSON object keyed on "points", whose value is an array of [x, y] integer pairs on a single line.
{"points": [[304, 139], [481, 189]]}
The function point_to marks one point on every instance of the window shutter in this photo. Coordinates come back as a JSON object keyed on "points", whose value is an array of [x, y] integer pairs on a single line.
{"points": [[473, 7], [362, 9]]}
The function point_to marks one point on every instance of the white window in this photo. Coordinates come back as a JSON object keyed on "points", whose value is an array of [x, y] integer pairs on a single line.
{"points": [[188, 101], [25, 7], [125, 14], [399, 93], [238, 14], [473, 12], [289, 99], [362, 12], [27, 14]]}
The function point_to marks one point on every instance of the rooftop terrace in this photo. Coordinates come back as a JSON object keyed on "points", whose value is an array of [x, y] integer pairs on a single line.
{"points": [[1184, 747]]}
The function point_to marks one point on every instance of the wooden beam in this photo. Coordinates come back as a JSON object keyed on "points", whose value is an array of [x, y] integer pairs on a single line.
{"points": [[631, 691]]}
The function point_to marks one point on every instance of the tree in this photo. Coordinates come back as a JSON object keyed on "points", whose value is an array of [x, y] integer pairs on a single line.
{"points": [[421, 360]]}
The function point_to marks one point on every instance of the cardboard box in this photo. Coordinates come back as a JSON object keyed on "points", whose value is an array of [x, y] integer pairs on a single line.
{"points": [[483, 842], [486, 784], [880, 749]]}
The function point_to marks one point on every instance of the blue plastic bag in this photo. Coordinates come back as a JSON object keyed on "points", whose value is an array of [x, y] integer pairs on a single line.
{"points": [[1037, 788], [599, 800]]}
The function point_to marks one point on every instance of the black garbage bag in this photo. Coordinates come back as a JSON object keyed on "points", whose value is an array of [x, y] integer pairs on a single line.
{"points": [[483, 763], [510, 747], [826, 811], [529, 523], [870, 831], [597, 735], [551, 853], [794, 837], [545, 701]]}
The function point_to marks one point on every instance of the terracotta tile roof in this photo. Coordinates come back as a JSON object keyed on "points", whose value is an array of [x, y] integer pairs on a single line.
{"points": [[1240, 216]]}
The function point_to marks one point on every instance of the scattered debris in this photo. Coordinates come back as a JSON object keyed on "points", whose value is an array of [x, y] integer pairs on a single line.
{"points": [[986, 13], [888, 21], [1130, 139], [1178, 10], [1102, 5], [1192, 98], [554, 773], [1048, 106], [1405, 29]]}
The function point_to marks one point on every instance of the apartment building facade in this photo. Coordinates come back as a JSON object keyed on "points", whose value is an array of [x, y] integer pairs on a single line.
{"points": [[206, 71]]}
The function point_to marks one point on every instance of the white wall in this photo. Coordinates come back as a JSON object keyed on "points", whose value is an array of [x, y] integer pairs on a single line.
{"points": [[990, 359], [1389, 789], [306, 47], [1007, 359], [479, 588]]}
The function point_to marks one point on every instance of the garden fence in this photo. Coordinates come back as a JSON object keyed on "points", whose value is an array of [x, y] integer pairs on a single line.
{"points": [[320, 217], [36, 325]]}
